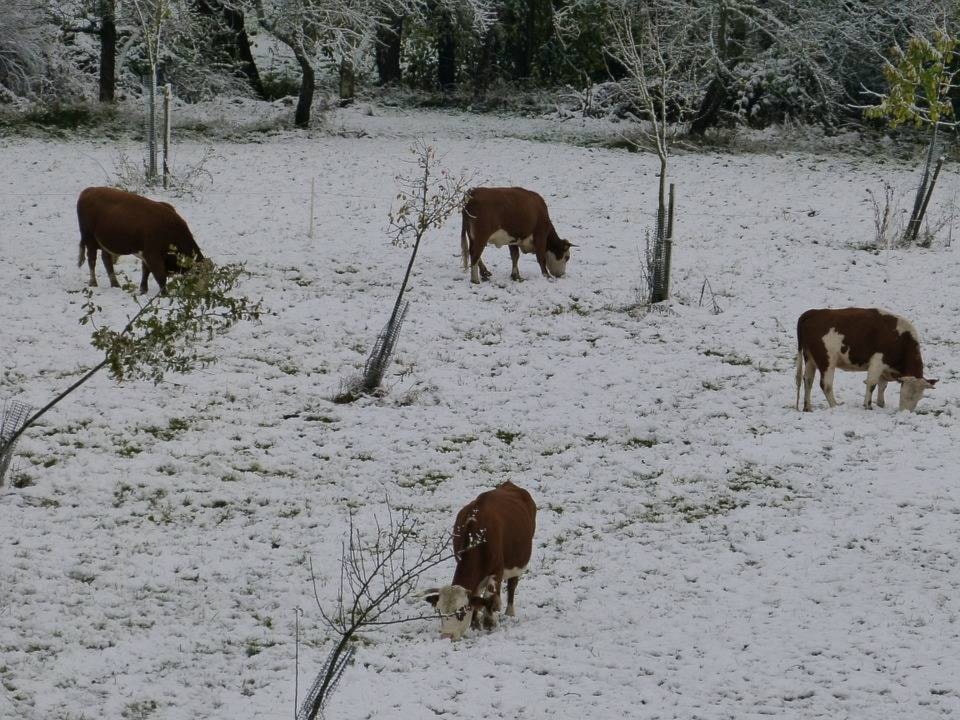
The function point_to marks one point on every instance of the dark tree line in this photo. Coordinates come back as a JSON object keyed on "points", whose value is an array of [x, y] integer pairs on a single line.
{"points": [[752, 61]]}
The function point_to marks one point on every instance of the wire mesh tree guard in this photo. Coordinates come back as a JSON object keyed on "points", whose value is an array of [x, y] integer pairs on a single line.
{"points": [[325, 684], [382, 353], [13, 416]]}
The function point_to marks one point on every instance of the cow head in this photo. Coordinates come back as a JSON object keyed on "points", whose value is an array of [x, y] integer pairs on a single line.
{"points": [[557, 264], [456, 608], [911, 390]]}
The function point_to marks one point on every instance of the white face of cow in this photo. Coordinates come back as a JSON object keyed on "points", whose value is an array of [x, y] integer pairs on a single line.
{"points": [[557, 266], [453, 604], [911, 390]]}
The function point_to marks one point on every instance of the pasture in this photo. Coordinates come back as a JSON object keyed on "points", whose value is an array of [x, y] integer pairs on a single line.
{"points": [[702, 550]]}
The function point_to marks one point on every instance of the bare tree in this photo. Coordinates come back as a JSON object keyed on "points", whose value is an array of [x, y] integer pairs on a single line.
{"points": [[378, 571], [653, 45], [151, 16], [427, 197]]}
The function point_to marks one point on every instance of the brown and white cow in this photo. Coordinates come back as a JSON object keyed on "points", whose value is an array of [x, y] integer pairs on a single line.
{"points": [[884, 345], [492, 542], [121, 223], [515, 217]]}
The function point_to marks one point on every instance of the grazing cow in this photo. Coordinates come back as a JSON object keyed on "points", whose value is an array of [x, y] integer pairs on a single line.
{"points": [[492, 542], [121, 223], [884, 345], [515, 217]]}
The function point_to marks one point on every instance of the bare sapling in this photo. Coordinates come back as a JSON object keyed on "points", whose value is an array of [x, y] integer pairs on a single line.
{"points": [[427, 197], [378, 571], [152, 15], [649, 44]]}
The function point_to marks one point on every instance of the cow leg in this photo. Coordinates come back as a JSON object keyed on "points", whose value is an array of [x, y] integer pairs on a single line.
{"points": [[153, 262], [874, 374], [881, 386], [484, 273], [515, 259], [826, 384], [144, 274], [542, 259], [511, 590], [107, 260], [476, 250], [491, 611], [92, 263], [809, 371]]}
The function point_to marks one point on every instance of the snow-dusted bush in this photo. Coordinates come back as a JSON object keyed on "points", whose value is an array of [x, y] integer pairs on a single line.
{"points": [[24, 41], [773, 90], [33, 59]]}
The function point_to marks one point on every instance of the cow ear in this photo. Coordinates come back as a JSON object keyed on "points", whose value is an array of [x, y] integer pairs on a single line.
{"points": [[432, 596], [930, 382]]}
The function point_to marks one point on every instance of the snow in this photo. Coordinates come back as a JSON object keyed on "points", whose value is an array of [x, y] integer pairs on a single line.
{"points": [[703, 549]]}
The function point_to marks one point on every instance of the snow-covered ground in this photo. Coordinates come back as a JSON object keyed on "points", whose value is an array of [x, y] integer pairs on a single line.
{"points": [[703, 549]]}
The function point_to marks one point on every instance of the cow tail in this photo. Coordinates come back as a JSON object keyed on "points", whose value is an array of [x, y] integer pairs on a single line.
{"points": [[799, 378], [464, 248]]}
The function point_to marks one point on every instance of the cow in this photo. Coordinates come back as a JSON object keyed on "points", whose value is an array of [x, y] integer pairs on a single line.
{"points": [[492, 542], [884, 345], [121, 223], [510, 216]]}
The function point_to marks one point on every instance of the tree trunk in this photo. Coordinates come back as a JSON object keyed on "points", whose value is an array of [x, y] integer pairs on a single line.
{"points": [[729, 54], [708, 113], [235, 40], [242, 51], [347, 82], [446, 51], [108, 50], [388, 46], [484, 66], [308, 84]]}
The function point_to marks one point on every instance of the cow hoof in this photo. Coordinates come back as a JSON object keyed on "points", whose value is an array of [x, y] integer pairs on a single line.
{"points": [[517, 278], [510, 612]]}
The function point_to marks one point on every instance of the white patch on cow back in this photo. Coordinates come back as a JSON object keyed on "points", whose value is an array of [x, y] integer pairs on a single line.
{"points": [[905, 326]]}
